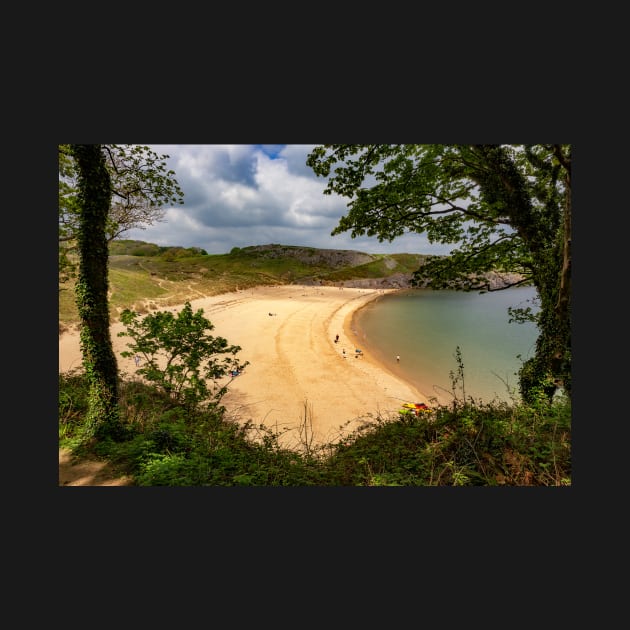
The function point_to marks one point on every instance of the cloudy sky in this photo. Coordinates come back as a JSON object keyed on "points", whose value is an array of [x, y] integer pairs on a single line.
{"points": [[245, 194]]}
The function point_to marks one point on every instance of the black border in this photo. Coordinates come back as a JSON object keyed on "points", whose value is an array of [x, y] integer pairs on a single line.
{"points": [[423, 529]]}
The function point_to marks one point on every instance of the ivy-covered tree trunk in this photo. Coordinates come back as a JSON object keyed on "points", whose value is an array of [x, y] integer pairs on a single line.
{"points": [[547, 235], [550, 368], [99, 359]]}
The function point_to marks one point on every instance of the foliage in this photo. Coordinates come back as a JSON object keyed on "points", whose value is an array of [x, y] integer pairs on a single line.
{"points": [[179, 356], [68, 217], [141, 186], [73, 405], [485, 445], [122, 247], [466, 444], [507, 208]]}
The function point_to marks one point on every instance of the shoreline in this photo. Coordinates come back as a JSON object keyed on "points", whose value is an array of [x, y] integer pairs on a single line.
{"points": [[299, 382], [377, 356]]}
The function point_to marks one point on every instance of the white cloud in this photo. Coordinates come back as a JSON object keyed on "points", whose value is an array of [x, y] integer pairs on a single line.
{"points": [[239, 195]]}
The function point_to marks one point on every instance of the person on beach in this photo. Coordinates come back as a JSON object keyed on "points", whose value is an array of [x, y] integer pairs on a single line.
{"points": [[136, 358], [336, 338], [397, 358]]}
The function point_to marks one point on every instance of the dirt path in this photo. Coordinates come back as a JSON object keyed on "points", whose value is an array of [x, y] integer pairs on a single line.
{"points": [[87, 472]]}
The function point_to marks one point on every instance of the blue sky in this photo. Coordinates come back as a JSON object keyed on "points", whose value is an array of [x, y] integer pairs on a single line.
{"points": [[254, 194]]}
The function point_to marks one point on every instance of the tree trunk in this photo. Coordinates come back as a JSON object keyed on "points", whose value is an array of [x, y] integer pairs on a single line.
{"points": [[501, 182], [99, 359], [563, 307]]}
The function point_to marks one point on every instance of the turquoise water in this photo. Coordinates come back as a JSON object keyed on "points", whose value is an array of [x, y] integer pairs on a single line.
{"points": [[425, 327]]}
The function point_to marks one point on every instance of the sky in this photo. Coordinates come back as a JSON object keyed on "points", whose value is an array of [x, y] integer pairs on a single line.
{"points": [[251, 194]]}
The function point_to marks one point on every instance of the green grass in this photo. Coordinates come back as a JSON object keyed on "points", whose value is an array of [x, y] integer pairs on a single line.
{"points": [[144, 276], [128, 285], [382, 267], [462, 444]]}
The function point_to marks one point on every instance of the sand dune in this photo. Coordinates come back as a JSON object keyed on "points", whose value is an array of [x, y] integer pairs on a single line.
{"points": [[294, 362]]}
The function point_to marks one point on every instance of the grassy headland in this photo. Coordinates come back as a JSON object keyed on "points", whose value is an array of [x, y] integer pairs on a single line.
{"points": [[146, 277]]}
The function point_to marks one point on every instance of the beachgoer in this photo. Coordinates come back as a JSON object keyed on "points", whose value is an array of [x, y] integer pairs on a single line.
{"points": [[137, 359], [336, 338], [398, 358]]}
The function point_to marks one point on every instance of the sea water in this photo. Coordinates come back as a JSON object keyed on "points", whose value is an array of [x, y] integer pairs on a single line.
{"points": [[425, 328]]}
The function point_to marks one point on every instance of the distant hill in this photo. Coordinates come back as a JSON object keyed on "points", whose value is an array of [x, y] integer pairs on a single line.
{"points": [[145, 276], [269, 264]]}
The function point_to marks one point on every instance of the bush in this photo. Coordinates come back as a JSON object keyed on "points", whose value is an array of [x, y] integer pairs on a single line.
{"points": [[164, 443], [179, 356]]}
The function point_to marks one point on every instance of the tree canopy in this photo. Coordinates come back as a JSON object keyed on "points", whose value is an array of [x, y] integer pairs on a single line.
{"points": [[505, 208], [141, 187]]}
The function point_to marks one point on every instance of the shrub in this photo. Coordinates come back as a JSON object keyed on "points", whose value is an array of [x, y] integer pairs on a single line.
{"points": [[179, 356]]}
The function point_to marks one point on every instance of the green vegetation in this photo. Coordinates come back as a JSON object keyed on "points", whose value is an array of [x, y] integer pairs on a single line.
{"points": [[178, 356], [164, 443], [145, 276], [382, 266]]}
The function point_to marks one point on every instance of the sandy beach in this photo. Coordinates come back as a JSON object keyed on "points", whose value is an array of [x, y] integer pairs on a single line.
{"points": [[295, 363]]}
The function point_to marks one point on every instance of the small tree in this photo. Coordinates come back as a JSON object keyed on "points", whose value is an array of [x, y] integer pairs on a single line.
{"points": [[179, 356], [140, 188]]}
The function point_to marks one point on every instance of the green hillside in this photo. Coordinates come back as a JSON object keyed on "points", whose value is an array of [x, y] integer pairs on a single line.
{"points": [[145, 276]]}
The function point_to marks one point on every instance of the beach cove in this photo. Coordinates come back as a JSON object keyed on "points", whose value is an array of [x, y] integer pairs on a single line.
{"points": [[287, 333]]}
